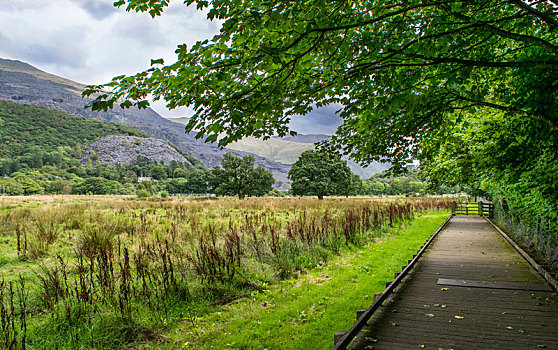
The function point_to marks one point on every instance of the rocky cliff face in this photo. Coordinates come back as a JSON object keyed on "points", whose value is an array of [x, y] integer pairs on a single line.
{"points": [[125, 149], [23, 83]]}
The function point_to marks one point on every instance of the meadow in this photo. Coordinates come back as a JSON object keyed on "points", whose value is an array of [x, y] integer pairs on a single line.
{"points": [[81, 272]]}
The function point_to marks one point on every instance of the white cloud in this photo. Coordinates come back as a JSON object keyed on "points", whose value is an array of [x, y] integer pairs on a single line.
{"points": [[98, 9], [90, 41]]}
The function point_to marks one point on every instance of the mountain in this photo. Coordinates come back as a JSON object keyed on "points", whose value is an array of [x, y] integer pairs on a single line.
{"points": [[287, 149], [23, 83], [309, 138], [276, 149], [122, 150]]}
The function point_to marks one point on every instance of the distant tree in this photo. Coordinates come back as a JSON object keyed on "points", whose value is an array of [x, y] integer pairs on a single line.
{"points": [[320, 174], [59, 186], [238, 177], [28, 185], [10, 187], [356, 186], [179, 172], [416, 187], [177, 185], [159, 172], [146, 185], [375, 188], [95, 185], [200, 181], [142, 193], [263, 182], [94, 157], [276, 193]]}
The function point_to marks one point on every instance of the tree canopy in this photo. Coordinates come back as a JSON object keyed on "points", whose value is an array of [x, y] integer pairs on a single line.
{"points": [[321, 174], [238, 177], [403, 69]]}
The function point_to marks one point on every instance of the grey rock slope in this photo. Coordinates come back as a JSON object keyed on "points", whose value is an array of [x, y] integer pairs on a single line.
{"points": [[23, 83], [309, 138], [125, 149]]}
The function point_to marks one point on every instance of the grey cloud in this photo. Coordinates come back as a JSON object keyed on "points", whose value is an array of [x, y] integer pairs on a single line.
{"points": [[54, 54], [145, 33], [99, 10], [320, 121], [4, 41], [63, 49]]}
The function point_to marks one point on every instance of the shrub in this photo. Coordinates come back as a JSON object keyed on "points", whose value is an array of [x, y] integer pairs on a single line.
{"points": [[142, 193]]}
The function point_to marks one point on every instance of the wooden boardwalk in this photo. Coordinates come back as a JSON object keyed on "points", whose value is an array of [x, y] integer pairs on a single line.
{"points": [[499, 313]]}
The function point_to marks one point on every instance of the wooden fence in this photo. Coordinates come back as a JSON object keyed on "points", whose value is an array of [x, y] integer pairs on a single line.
{"points": [[473, 208]]}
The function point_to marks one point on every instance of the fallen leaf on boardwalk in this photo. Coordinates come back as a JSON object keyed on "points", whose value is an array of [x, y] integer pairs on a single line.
{"points": [[393, 324], [421, 346], [509, 327], [459, 317], [444, 289], [443, 306], [541, 346], [521, 331], [429, 315]]}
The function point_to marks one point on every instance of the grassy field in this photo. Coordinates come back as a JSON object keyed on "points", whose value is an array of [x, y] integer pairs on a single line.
{"points": [[113, 272]]}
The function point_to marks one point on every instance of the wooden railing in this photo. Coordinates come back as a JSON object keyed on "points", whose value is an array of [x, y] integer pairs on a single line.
{"points": [[473, 208]]}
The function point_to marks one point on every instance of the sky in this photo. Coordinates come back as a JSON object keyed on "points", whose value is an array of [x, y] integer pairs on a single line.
{"points": [[90, 41]]}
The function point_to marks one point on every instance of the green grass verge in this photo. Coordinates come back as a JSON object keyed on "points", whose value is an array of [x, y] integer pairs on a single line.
{"points": [[304, 313]]}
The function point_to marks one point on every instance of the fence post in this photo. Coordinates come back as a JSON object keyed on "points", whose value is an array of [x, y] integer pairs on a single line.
{"points": [[453, 207], [481, 208]]}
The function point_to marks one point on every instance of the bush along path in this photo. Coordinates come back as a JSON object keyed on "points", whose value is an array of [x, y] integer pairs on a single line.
{"points": [[305, 312]]}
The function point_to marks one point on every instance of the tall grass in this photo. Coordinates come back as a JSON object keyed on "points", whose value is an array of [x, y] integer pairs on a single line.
{"points": [[137, 260]]}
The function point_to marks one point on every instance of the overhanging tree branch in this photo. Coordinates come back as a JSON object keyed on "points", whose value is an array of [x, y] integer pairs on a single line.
{"points": [[507, 34], [539, 117], [548, 19]]}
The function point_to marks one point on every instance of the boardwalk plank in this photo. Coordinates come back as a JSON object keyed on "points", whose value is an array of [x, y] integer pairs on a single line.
{"points": [[468, 249]]}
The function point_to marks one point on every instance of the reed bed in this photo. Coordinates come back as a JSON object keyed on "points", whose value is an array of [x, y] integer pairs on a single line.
{"points": [[138, 261]]}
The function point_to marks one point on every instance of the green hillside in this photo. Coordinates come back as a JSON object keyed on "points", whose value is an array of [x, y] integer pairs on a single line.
{"points": [[24, 126], [43, 150]]}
